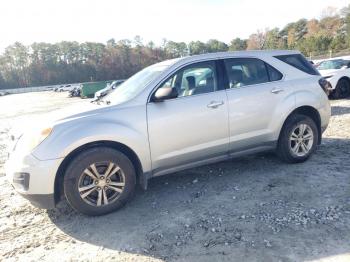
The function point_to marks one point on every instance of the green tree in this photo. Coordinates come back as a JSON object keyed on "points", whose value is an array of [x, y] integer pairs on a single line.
{"points": [[197, 47], [176, 49], [238, 44], [214, 45], [67, 62]]}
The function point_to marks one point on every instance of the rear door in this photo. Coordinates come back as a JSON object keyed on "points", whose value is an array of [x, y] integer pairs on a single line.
{"points": [[255, 90], [192, 127]]}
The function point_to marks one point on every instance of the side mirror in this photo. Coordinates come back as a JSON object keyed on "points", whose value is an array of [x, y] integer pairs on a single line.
{"points": [[344, 67], [165, 93]]}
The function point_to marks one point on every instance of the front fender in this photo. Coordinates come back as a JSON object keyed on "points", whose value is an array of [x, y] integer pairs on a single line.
{"points": [[67, 137]]}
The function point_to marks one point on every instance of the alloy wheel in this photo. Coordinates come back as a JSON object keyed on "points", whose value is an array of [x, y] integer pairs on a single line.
{"points": [[101, 183], [301, 140]]}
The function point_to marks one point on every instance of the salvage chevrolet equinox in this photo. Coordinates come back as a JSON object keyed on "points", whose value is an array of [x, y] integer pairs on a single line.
{"points": [[171, 116]]}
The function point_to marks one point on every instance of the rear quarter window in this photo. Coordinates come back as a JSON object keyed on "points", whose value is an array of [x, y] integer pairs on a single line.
{"points": [[298, 61], [274, 74]]}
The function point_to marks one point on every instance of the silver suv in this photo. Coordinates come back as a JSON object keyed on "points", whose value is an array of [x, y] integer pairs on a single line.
{"points": [[168, 117]]}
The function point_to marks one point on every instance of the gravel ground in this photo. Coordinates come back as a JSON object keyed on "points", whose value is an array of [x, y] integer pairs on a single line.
{"points": [[254, 208]]}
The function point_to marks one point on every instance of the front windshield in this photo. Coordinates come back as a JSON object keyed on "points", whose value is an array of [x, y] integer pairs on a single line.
{"points": [[135, 84], [331, 64]]}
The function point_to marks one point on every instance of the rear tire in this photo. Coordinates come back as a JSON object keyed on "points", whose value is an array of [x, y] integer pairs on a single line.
{"points": [[298, 139], [342, 89], [99, 181]]}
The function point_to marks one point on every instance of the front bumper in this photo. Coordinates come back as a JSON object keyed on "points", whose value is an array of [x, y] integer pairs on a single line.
{"points": [[41, 201], [32, 178]]}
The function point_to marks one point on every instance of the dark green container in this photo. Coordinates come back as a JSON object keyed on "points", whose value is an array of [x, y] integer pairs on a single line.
{"points": [[89, 89]]}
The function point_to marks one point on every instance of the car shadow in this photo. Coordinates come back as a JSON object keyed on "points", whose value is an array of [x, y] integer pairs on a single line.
{"points": [[340, 110], [252, 208]]}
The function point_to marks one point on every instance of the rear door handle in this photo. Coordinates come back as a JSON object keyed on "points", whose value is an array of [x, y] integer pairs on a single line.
{"points": [[276, 90], [215, 104]]}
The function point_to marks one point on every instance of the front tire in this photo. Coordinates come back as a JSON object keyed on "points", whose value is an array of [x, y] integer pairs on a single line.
{"points": [[298, 139], [99, 181]]}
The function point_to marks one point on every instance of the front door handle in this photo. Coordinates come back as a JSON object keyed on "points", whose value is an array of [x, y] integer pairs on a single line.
{"points": [[215, 104], [276, 90]]}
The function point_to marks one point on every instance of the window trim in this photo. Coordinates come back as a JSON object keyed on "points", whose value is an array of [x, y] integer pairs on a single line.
{"points": [[162, 81], [227, 86]]}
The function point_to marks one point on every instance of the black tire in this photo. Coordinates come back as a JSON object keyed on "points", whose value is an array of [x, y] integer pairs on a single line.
{"points": [[84, 160], [284, 150], [342, 89]]}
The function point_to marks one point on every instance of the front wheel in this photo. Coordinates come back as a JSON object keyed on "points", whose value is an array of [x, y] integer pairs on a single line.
{"points": [[298, 139], [99, 181]]}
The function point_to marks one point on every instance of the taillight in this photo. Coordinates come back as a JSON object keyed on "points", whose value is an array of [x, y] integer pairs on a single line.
{"points": [[326, 86]]}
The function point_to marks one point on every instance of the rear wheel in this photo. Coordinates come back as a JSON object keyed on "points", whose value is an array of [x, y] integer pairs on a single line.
{"points": [[342, 89], [99, 181], [298, 139]]}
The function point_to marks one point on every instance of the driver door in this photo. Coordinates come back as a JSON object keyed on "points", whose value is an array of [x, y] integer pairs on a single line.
{"points": [[193, 127]]}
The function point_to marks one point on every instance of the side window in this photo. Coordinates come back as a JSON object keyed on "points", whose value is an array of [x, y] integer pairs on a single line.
{"points": [[274, 74], [298, 61], [245, 71], [194, 79]]}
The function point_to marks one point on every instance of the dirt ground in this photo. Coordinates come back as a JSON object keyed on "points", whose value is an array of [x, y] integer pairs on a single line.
{"points": [[253, 208]]}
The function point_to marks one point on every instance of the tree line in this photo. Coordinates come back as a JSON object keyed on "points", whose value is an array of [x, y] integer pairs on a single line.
{"points": [[72, 62]]}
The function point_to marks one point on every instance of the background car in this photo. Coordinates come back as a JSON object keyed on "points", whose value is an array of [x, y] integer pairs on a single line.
{"points": [[75, 92], [4, 93], [64, 88], [337, 73], [108, 89]]}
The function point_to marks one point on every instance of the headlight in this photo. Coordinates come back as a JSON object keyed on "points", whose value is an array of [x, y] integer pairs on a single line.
{"points": [[40, 137], [31, 140]]}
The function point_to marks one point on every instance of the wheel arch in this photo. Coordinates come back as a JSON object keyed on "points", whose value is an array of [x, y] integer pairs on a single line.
{"points": [[141, 176], [307, 111]]}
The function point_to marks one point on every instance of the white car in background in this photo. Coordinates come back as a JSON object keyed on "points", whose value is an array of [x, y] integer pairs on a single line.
{"points": [[108, 89], [64, 88], [337, 73]]}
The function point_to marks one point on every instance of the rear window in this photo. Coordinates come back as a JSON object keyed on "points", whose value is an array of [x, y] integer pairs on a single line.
{"points": [[298, 61]]}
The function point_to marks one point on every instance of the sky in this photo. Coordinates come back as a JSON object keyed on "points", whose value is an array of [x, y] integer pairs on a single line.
{"points": [[29, 21]]}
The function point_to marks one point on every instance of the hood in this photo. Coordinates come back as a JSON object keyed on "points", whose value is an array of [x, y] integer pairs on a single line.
{"points": [[49, 119], [82, 109], [329, 72]]}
